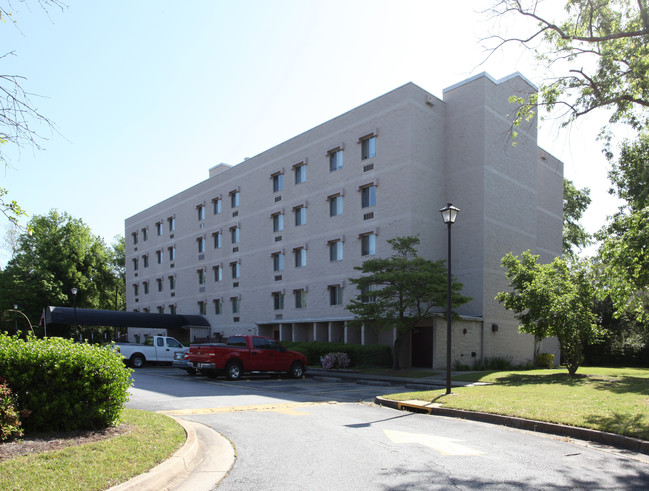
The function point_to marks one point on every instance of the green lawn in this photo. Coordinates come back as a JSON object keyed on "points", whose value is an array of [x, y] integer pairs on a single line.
{"points": [[98, 465], [608, 399]]}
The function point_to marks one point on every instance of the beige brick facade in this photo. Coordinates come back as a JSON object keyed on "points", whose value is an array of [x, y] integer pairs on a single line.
{"points": [[428, 152]]}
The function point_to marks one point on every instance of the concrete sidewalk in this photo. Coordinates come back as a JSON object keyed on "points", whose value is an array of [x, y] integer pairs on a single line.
{"points": [[436, 380]]}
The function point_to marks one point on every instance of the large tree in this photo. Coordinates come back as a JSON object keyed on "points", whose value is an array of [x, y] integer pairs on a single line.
{"points": [[597, 50], [60, 253], [623, 251], [575, 203], [552, 299], [401, 291]]}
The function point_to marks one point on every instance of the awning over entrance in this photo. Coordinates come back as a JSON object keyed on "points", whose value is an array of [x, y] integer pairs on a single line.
{"points": [[92, 317]]}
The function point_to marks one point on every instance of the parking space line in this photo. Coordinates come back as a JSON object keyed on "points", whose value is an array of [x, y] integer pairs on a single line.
{"points": [[284, 408]]}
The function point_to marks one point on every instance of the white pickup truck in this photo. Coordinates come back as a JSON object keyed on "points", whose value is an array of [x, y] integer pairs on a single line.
{"points": [[154, 349]]}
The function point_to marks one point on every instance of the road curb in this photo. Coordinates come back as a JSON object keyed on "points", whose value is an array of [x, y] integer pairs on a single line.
{"points": [[204, 459], [611, 439]]}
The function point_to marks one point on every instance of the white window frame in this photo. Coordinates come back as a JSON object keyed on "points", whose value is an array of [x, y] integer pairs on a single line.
{"points": [[335, 250], [335, 205], [335, 159]]}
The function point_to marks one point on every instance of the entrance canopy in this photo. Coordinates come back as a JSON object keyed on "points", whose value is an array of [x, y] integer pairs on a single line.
{"points": [[92, 317]]}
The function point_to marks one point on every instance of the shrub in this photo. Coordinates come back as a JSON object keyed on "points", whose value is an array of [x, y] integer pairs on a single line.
{"points": [[9, 418], [371, 355], [495, 363], [545, 360], [63, 385], [335, 360]]}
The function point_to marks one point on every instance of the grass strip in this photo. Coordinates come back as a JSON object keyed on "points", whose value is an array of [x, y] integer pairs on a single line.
{"points": [[615, 400], [98, 465]]}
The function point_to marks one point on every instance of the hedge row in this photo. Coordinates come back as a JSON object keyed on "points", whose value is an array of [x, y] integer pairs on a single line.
{"points": [[361, 356], [61, 385]]}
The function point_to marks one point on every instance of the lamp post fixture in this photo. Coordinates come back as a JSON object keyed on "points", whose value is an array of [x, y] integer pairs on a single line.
{"points": [[15, 310], [449, 214], [74, 304]]}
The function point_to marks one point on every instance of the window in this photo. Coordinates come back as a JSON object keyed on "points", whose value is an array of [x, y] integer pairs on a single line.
{"points": [[201, 276], [368, 196], [335, 295], [300, 299], [158, 229], [234, 199], [235, 268], [145, 261], [300, 216], [278, 261], [161, 310], [300, 173], [172, 309], [202, 308], [159, 256], [236, 304], [335, 205], [278, 182], [134, 234], [336, 250], [171, 221], [201, 212], [300, 257], [172, 282], [218, 307], [200, 242], [218, 273], [335, 160], [234, 235], [368, 147], [216, 203], [278, 300], [135, 264], [145, 284], [145, 234], [278, 222], [172, 253], [368, 245], [217, 240], [136, 289], [367, 294], [159, 282]]}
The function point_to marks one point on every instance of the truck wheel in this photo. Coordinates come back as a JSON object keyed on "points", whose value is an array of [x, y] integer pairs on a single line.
{"points": [[137, 361], [233, 370], [297, 370]]}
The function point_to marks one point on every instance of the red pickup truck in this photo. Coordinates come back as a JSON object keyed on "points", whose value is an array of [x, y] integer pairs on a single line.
{"points": [[241, 354]]}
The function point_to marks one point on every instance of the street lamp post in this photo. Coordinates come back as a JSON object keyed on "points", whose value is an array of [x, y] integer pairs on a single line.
{"points": [[15, 310], [449, 214], [74, 304]]}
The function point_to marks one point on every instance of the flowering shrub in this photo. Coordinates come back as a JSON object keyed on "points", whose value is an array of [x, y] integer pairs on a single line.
{"points": [[9, 419], [335, 360]]}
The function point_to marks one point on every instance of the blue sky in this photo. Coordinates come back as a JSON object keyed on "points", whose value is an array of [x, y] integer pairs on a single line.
{"points": [[147, 95]]}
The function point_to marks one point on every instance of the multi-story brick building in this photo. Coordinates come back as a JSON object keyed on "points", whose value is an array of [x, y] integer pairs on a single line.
{"points": [[268, 246]]}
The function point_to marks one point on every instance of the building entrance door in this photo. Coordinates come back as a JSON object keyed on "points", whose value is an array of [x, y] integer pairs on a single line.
{"points": [[422, 347]]}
